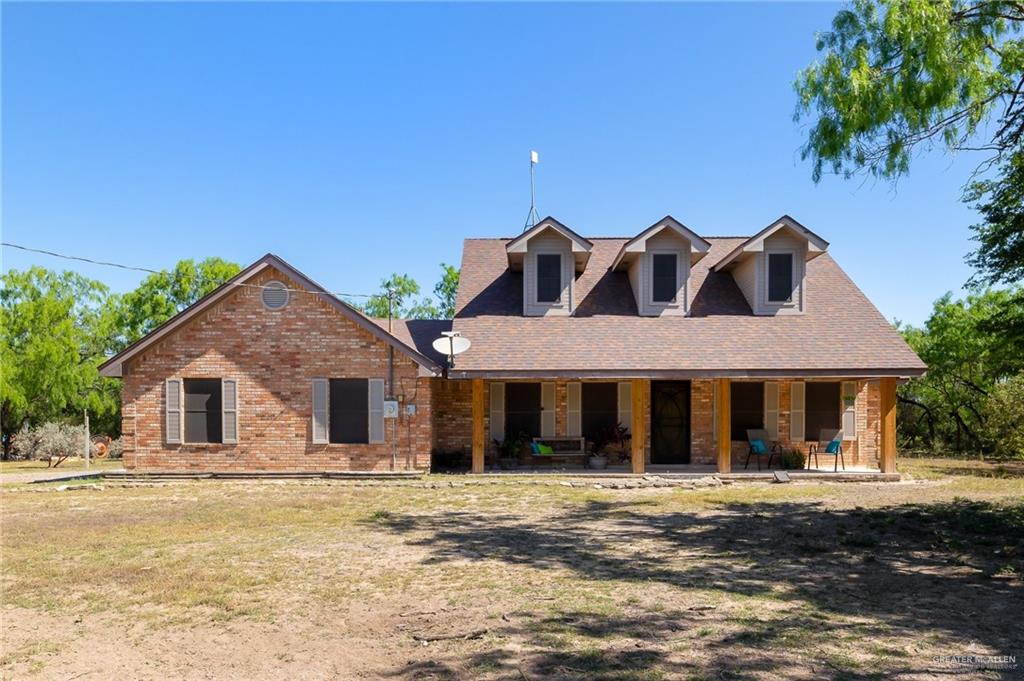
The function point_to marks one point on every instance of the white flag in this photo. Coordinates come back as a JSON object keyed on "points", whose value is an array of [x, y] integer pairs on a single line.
{"points": [[534, 158]]}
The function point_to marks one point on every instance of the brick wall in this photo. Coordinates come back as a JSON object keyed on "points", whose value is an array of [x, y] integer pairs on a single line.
{"points": [[274, 355]]}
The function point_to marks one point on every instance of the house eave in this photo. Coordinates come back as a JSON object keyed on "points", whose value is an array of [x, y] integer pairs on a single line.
{"points": [[665, 374]]}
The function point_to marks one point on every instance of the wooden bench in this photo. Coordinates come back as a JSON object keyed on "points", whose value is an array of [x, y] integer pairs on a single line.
{"points": [[563, 447]]}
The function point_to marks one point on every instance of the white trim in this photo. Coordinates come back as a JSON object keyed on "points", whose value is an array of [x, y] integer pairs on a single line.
{"points": [[794, 278], [573, 409], [497, 411], [680, 289], [547, 410], [771, 409], [173, 386], [535, 298], [375, 409], [324, 412], [797, 411], [227, 413], [848, 413]]}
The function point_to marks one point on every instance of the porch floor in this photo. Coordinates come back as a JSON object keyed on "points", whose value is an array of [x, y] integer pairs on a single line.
{"points": [[852, 473]]}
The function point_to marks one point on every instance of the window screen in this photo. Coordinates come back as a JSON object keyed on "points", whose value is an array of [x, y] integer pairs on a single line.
{"points": [[780, 277], [202, 410], [600, 410], [549, 277], [747, 408], [522, 409], [350, 411], [665, 282], [822, 408]]}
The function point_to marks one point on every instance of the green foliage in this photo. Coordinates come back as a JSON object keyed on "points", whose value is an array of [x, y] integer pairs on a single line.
{"points": [[896, 74], [54, 328], [1004, 427], [1000, 254], [404, 291], [52, 442], [162, 295], [445, 290], [968, 354], [793, 459]]}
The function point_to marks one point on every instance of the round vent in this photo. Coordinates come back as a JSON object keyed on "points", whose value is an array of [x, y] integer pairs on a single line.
{"points": [[275, 295]]}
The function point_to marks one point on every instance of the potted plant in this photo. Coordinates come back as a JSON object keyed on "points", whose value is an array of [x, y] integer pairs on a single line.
{"points": [[509, 450], [612, 435]]}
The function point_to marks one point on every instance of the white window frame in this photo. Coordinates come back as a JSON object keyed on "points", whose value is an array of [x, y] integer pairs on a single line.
{"points": [[793, 277]]}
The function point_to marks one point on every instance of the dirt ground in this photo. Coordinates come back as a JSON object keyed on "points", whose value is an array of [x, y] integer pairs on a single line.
{"points": [[516, 579]]}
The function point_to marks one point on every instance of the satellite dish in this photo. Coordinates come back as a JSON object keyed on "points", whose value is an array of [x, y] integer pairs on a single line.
{"points": [[451, 343]]}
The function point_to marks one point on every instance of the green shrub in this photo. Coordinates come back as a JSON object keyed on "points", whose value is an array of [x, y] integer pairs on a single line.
{"points": [[793, 459], [1004, 427]]}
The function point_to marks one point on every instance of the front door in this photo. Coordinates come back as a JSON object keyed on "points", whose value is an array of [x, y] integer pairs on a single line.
{"points": [[670, 422]]}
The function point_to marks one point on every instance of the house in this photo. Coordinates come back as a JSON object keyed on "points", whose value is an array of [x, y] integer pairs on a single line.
{"points": [[685, 340]]}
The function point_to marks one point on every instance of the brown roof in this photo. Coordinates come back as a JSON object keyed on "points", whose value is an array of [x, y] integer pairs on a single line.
{"points": [[841, 333], [419, 334]]}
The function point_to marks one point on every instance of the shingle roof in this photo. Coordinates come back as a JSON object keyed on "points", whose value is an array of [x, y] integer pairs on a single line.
{"points": [[841, 333], [419, 334]]}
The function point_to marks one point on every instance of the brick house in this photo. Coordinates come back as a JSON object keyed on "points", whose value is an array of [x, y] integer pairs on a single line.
{"points": [[686, 341]]}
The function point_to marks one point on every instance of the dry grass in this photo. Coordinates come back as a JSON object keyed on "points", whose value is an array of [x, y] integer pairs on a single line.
{"points": [[74, 464], [311, 580]]}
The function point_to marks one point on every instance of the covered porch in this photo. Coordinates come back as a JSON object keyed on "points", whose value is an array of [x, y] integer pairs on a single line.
{"points": [[707, 423]]}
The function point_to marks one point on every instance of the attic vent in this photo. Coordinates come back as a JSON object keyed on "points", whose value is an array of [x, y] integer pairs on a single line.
{"points": [[274, 295]]}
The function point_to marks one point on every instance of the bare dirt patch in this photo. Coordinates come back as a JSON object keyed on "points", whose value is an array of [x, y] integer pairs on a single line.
{"points": [[512, 580]]}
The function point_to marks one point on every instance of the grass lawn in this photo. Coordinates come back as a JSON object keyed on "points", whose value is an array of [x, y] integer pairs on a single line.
{"points": [[514, 579], [72, 465]]}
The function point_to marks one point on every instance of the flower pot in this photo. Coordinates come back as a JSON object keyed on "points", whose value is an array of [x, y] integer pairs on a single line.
{"points": [[598, 462]]}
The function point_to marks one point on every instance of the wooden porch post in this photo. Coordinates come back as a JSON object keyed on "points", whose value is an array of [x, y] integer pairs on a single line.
{"points": [[639, 426], [723, 438], [479, 441], [887, 422]]}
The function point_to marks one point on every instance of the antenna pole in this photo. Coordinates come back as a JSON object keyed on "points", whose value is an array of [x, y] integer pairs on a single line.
{"points": [[532, 218]]}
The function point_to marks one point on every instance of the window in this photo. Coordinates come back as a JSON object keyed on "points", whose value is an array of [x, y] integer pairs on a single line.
{"points": [[600, 408], [780, 277], [665, 276], [549, 277], [349, 411], [821, 408], [203, 410], [747, 408], [522, 409]]}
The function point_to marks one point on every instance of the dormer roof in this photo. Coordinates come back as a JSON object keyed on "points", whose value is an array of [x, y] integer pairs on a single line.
{"points": [[699, 246], [755, 244], [517, 247]]}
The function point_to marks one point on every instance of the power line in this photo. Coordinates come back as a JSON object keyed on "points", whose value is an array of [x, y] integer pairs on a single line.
{"points": [[135, 268]]}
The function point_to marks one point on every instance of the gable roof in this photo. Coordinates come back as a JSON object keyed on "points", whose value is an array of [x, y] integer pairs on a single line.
{"points": [[113, 366], [698, 244], [580, 247], [721, 337], [815, 244]]}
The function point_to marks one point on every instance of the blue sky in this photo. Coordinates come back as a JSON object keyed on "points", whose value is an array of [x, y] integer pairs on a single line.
{"points": [[358, 140]]}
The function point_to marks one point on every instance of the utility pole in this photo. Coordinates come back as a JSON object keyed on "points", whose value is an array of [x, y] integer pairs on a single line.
{"points": [[88, 450], [532, 218]]}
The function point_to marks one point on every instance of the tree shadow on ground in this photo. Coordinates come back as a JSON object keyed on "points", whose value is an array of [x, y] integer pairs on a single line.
{"points": [[940, 574]]}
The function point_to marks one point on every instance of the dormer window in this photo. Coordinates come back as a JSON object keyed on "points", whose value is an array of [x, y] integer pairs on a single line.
{"points": [[665, 274], [549, 277], [780, 277]]}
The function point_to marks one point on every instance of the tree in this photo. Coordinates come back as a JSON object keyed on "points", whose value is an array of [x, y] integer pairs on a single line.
{"points": [[968, 356], [445, 290], [164, 294], [52, 326], [899, 75], [403, 290], [1004, 429]]}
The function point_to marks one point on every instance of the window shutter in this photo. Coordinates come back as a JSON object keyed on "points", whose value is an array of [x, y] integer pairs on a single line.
{"points": [[796, 411], [320, 411], [547, 406], [172, 410], [771, 409], [573, 402], [497, 411], [229, 410], [849, 410], [376, 396], [626, 405]]}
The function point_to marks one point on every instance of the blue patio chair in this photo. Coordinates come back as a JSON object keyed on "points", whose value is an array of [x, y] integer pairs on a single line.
{"points": [[830, 442], [760, 445]]}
